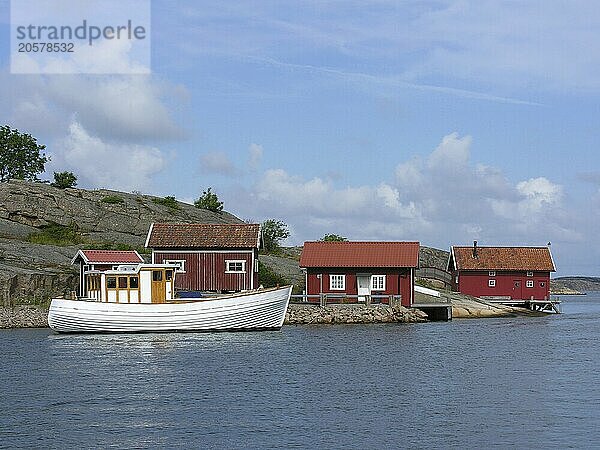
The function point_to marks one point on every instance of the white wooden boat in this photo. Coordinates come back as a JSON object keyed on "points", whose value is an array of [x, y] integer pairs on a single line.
{"points": [[140, 298]]}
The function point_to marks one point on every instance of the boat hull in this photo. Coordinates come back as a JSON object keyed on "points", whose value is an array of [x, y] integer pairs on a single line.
{"points": [[259, 310]]}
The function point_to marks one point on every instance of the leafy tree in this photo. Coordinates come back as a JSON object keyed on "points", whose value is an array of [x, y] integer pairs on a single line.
{"points": [[273, 232], [63, 180], [333, 238], [209, 200], [21, 157]]}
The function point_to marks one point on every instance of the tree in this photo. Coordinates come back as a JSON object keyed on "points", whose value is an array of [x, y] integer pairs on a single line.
{"points": [[333, 238], [63, 180], [21, 157], [273, 232], [209, 200]]}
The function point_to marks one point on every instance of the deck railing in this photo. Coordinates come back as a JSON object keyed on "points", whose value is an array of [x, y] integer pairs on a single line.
{"points": [[346, 299]]}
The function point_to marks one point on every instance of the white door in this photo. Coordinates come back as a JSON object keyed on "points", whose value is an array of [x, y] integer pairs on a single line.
{"points": [[364, 287]]}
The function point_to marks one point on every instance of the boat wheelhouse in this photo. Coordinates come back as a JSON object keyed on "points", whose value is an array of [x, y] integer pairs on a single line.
{"points": [[127, 283]]}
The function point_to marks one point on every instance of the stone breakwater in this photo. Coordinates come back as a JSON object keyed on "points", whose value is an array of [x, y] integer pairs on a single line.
{"points": [[298, 314], [23, 317]]}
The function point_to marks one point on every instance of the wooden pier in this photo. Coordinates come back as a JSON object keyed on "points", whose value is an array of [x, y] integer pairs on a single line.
{"points": [[551, 305]]}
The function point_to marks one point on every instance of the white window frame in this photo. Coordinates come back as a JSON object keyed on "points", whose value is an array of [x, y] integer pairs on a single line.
{"points": [[529, 284], [530, 273], [375, 285], [492, 273], [235, 261], [337, 282], [179, 262], [491, 283]]}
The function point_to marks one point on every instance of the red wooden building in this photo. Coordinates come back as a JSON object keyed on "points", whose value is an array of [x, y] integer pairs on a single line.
{"points": [[518, 273], [102, 260], [361, 268], [210, 257]]}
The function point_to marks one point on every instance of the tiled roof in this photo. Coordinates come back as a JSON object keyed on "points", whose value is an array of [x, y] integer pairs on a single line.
{"points": [[110, 257], [360, 254], [504, 258], [203, 235]]}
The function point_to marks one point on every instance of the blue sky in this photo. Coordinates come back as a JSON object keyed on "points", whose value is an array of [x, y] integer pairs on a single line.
{"points": [[440, 121]]}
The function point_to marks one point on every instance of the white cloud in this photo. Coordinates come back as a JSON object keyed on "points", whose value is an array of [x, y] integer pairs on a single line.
{"points": [[217, 163], [102, 164], [256, 153], [440, 200]]}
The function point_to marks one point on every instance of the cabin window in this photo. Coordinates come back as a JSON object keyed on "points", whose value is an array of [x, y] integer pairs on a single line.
{"points": [[134, 282], [122, 282], [180, 263], [530, 274], [542, 284], [492, 273], [111, 282], [337, 282], [529, 283], [492, 283], [168, 275], [378, 282], [86, 268], [235, 266], [157, 275]]}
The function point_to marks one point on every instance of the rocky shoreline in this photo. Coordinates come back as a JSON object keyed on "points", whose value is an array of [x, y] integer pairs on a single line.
{"points": [[23, 317], [306, 314]]}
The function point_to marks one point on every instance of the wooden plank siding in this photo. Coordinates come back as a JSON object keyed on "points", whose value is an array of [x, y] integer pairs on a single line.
{"points": [[205, 270], [398, 281]]}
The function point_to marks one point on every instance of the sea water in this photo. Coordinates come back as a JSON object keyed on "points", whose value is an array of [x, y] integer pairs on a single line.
{"points": [[530, 382]]}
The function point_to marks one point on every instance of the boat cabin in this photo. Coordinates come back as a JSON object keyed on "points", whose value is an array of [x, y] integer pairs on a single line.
{"points": [[131, 283]]}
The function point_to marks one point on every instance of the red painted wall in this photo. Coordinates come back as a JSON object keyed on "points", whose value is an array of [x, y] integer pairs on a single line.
{"points": [[206, 271], [397, 282], [476, 283]]}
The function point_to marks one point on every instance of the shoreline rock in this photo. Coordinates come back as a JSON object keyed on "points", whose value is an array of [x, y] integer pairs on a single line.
{"points": [[23, 316], [306, 314]]}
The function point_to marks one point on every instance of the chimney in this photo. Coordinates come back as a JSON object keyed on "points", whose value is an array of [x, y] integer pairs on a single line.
{"points": [[474, 249]]}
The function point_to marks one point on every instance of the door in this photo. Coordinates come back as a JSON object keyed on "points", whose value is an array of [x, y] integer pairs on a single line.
{"points": [[364, 287], [517, 293], [158, 286]]}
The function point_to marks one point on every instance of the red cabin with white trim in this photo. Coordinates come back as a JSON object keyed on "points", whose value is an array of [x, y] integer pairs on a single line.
{"points": [[361, 269], [210, 257], [515, 273]]}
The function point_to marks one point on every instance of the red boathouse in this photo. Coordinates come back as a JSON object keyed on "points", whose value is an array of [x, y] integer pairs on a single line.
{"points": [[515, 273], [361, 269], [210, 257]]}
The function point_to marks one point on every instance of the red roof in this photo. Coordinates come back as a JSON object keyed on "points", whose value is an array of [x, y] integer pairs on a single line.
{"points": [[203, 235], [109, 257], [360, 254], [504, 258]]}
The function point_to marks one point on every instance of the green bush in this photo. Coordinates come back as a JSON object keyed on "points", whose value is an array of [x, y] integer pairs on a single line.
{"points": [[268, 278], [112, 199], [63, 180], [168, 201], [56, 234]]}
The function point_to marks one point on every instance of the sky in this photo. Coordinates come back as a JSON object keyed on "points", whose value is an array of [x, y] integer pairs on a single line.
{"points": [[437, 121]]}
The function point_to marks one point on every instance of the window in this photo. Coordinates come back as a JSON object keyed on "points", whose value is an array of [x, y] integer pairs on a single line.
{"points": [[337, 282], [168, 275], [529, 283], [157, 275], [180, 263], [111, 282], [378, 282], [542, 284], [492, 273], [529, 274], [492, 283], [134, 282], [122, 282], [235, 266]]}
